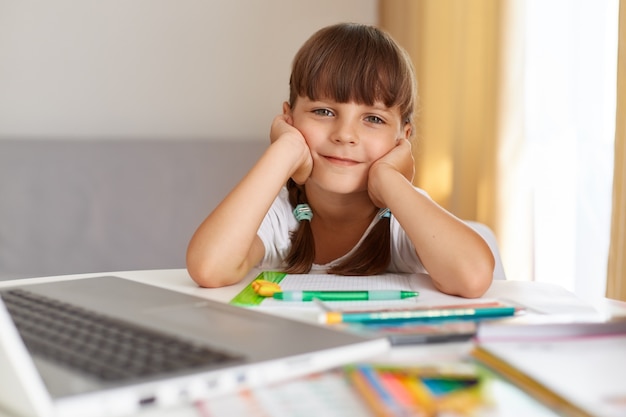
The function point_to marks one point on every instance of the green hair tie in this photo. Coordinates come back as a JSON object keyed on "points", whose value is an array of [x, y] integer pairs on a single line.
{"points": [[303, 212], [384, 213]]}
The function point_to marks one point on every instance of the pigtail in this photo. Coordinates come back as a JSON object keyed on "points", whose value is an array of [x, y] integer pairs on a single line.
{"points": [[302, 253], [372, 257]]}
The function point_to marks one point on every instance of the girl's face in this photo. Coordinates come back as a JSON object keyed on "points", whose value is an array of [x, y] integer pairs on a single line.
{"points": [[345, 139]]}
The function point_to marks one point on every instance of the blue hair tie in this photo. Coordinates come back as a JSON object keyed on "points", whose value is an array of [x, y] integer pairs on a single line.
{"points": [[303, 212], [384, 213]]}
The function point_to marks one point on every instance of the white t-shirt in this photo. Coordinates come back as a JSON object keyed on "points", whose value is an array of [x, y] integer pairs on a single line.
{"points": [[279, 222]]}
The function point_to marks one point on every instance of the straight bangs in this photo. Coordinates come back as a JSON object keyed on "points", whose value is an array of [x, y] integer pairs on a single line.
{"points": [[354, 63]]}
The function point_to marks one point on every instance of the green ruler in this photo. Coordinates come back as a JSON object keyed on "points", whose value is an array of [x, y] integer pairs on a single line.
{"points": [[248, 297]]}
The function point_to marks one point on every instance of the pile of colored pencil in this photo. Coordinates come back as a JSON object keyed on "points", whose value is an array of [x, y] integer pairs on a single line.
{"points": [[422, 391]]}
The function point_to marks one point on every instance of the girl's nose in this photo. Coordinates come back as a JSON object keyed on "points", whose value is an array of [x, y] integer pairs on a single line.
{"points": [[345, 132]]}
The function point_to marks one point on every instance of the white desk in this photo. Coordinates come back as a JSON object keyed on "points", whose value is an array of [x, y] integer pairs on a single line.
{"points": [[546, 298]]}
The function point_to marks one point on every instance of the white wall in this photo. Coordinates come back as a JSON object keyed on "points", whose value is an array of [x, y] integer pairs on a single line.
{"points": [[189, 69]]}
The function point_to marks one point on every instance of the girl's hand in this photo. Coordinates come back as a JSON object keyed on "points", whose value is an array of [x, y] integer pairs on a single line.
{"points": [[398, 159], [283, 129]]}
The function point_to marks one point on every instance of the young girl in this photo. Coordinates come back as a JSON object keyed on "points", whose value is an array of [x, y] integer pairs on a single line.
{"points": [[333, 192]]}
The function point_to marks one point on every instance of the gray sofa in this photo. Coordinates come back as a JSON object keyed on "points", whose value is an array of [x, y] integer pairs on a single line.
{"points": [[74, 206]]}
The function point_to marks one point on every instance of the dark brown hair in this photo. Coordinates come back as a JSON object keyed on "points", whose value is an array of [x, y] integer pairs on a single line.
{"points": [[349, 62]]}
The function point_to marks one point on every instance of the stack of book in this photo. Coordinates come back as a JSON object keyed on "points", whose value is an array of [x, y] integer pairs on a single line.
{"points": [[575, 368]]}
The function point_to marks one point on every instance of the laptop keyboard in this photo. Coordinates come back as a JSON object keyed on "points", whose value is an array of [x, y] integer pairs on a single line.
{"points": [[103, 347]]}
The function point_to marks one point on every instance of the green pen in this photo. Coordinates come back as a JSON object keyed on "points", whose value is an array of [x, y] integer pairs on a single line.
{"points": [[344, 295]]}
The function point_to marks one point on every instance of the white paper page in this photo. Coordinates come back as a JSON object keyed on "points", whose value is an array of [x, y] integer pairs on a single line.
{"points": [[542, 298], [327, 395]]}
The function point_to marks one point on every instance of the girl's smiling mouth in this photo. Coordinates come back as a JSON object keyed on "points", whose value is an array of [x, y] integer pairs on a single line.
{"points": [[337, 160]]}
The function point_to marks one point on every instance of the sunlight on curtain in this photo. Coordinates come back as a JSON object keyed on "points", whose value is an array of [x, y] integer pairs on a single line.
{"points": [[569, 122]]}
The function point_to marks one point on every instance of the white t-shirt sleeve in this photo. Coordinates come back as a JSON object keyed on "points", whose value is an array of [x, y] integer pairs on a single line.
{"points": [[404, 258], [403, 255], [275, 231]]}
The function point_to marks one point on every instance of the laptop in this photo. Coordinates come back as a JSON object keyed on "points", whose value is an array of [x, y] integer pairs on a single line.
{"points": [[108, 346]]}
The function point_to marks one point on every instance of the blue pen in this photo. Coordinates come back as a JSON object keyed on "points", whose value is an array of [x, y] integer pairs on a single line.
{"points": [[334, 317]]}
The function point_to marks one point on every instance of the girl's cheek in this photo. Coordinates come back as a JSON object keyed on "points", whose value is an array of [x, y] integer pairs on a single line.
{"points": [[386, 149]]}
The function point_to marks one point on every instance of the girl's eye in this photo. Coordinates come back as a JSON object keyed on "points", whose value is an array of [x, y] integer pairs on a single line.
{"points": [[375, 119], [323, 112]]}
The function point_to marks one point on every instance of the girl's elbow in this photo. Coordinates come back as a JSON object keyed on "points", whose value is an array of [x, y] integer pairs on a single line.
{"points": [[477, 287], [201, 275], [478, 279], [470, 281], [209, 274], [203, 280]]}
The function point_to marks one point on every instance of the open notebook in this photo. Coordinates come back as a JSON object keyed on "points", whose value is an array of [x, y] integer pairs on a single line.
{"points": [[422, 283], [109, 346], [409, 333]]}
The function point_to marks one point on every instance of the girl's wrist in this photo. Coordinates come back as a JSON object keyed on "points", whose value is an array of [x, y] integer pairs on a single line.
{"points": [[294, 152], [382, 181]]}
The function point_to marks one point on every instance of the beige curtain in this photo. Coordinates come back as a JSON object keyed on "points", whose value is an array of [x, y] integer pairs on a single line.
{"points": [[616, 280], [470, 148], [469, 137], [454, 46]]}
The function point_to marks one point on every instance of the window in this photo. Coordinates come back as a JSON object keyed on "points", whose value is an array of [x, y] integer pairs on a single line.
{"points": [[569, 122]]}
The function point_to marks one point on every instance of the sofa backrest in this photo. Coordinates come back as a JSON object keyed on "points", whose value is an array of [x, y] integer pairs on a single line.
{"points": [[69, 206]]}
